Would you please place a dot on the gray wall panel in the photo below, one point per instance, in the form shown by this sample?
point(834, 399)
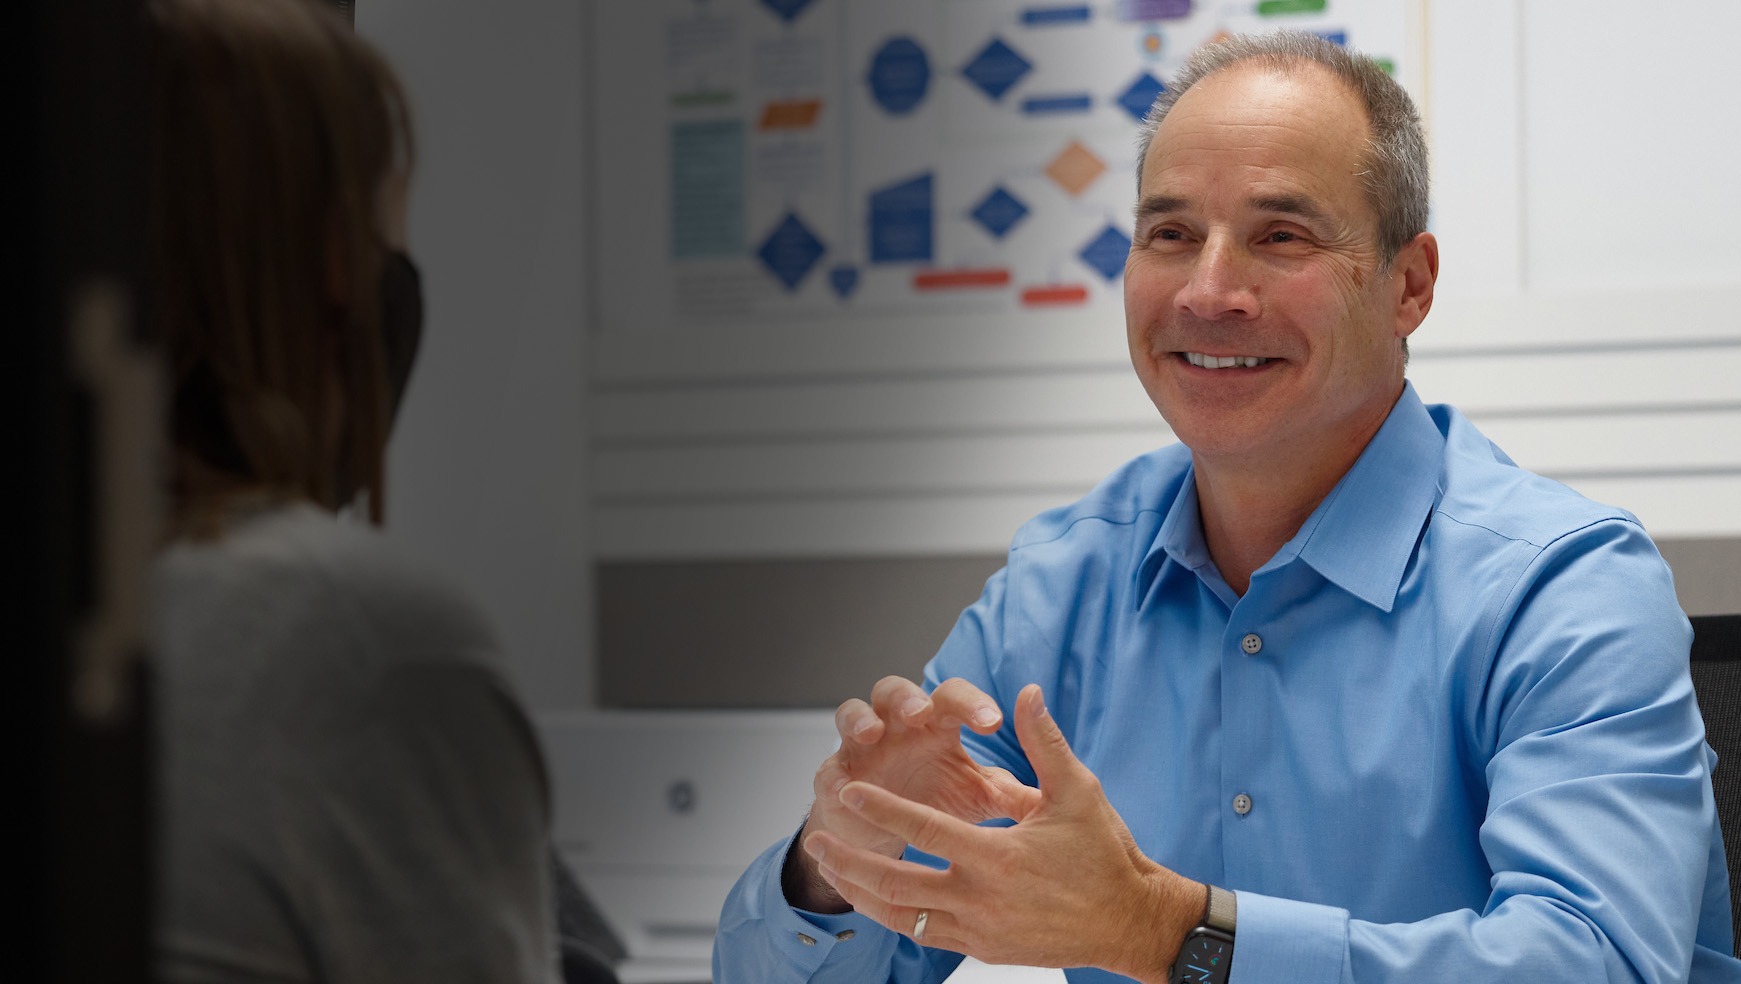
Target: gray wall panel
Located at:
point(1707, 573)
point(774, 633)
point(811, 633)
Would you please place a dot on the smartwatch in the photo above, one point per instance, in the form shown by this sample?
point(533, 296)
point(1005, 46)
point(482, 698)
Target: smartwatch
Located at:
point(1207, 955)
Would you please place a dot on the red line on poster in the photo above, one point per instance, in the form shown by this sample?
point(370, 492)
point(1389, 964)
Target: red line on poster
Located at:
point(955, 279)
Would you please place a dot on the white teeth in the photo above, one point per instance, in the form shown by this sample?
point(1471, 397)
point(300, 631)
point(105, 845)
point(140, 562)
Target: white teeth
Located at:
point(1224, 361)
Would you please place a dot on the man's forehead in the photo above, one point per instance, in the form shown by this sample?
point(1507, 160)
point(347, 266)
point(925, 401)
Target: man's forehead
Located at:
point(1254, 92)
point(1258, 115)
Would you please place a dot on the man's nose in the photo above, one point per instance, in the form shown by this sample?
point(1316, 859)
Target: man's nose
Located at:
point(1221, 285)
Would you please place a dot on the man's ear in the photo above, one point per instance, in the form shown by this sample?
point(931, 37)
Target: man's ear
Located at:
point(1414, 271)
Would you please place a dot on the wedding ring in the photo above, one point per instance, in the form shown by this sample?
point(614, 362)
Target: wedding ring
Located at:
point(919, 925)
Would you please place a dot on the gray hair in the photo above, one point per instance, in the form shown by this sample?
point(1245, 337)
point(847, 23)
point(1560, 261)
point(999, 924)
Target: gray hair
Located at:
point(1394, 165)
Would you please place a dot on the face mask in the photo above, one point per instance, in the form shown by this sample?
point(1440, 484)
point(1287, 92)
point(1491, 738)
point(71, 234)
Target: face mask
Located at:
point(401, 321)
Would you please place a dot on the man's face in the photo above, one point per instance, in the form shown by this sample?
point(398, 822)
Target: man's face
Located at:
point(1254, 241)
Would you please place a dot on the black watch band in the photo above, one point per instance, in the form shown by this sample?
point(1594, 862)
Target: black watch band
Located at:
point(1207, 954)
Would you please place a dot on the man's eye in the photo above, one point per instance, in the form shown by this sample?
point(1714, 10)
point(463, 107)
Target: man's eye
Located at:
point(1171, 235)
point(1282, 236)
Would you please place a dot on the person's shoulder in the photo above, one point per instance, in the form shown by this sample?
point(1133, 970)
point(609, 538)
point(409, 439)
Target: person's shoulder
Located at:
point(413, 605)
point(1483, 489)
point(1128, 503)
point(341, 569)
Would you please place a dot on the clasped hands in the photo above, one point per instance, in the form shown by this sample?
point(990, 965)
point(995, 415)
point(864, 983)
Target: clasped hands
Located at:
point(1066, 886)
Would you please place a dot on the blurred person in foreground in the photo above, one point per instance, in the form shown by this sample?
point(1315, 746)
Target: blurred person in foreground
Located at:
point(349, 789)
point(1329, 691)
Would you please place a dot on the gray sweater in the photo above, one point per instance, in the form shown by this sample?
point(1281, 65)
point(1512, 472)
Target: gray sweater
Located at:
point(349, 790)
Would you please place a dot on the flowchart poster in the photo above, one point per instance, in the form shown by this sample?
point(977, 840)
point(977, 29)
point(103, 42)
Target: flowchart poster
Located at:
point(761, 159)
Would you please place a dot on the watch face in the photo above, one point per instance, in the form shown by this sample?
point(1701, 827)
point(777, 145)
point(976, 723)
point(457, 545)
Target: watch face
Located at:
point(1204, 959)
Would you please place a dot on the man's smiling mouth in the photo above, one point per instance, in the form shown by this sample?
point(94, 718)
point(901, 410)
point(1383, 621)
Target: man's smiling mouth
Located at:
point(1224, 361)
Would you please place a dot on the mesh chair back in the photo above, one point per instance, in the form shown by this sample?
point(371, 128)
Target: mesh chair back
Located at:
point(1717, 679)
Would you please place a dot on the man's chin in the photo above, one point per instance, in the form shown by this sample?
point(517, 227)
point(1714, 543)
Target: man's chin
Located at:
point(1222, 433)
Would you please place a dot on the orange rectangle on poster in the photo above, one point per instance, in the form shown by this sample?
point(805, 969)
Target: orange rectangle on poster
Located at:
point(795, 115)
point(1055, 294)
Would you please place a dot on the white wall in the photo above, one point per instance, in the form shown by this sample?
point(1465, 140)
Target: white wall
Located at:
point(486, 469)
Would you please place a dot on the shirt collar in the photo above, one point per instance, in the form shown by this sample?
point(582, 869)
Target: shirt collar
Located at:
point(1361, 536)
point(1178, 541)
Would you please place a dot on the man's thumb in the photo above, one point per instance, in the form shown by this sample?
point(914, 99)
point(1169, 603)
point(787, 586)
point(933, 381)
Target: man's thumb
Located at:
point(1055, 765)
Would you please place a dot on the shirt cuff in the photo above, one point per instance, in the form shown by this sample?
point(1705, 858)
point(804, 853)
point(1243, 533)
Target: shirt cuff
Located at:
point(1282, 940)
point(808, 938)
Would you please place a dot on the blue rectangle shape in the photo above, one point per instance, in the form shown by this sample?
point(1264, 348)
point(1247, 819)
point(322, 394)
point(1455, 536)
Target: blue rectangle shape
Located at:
point(1044, 16)
point(901, 220)
point(1075, 103)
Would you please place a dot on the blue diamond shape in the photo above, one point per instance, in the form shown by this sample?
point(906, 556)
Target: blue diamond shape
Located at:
point(996, 68)
point(1137, 99)
point(790, 251)
point(787, 9)
point(999, 211)
point(1106, 253)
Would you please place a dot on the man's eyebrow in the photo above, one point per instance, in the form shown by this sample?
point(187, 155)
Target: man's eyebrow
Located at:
point(1300, 205)
point(1159, 205)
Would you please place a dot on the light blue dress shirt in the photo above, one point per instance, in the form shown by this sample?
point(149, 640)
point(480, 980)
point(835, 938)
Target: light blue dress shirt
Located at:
point(1448, 734)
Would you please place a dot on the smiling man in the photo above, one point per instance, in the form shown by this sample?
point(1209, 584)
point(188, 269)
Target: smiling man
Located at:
point(1329, 691)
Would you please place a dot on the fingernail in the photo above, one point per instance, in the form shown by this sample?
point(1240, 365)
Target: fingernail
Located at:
point(852, 796)
point(913, 707)
point(861, 728)
point(813, 847)
point(986, 717)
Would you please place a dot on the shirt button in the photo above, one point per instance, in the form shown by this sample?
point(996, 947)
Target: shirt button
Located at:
point(806, 940)
point(1242, 804)
point(845, 934)
point(1251, 643)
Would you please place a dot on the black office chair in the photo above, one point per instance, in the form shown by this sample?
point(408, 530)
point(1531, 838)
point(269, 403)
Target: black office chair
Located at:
point(1717, 680)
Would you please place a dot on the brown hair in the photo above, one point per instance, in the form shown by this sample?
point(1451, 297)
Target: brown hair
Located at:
point(276, 131)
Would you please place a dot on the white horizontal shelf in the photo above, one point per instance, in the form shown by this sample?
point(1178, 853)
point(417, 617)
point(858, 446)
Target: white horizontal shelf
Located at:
point(1680, 506)
point(901, 466)
point(864, 346)
point(1111, 396)
point(916, 526)
point(1602, 443)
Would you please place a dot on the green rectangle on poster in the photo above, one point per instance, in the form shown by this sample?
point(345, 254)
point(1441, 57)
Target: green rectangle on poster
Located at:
point(1269, 8)
point(707, 189)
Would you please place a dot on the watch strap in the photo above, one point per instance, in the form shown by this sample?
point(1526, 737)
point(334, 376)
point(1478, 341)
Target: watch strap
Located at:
point(1223, 909)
